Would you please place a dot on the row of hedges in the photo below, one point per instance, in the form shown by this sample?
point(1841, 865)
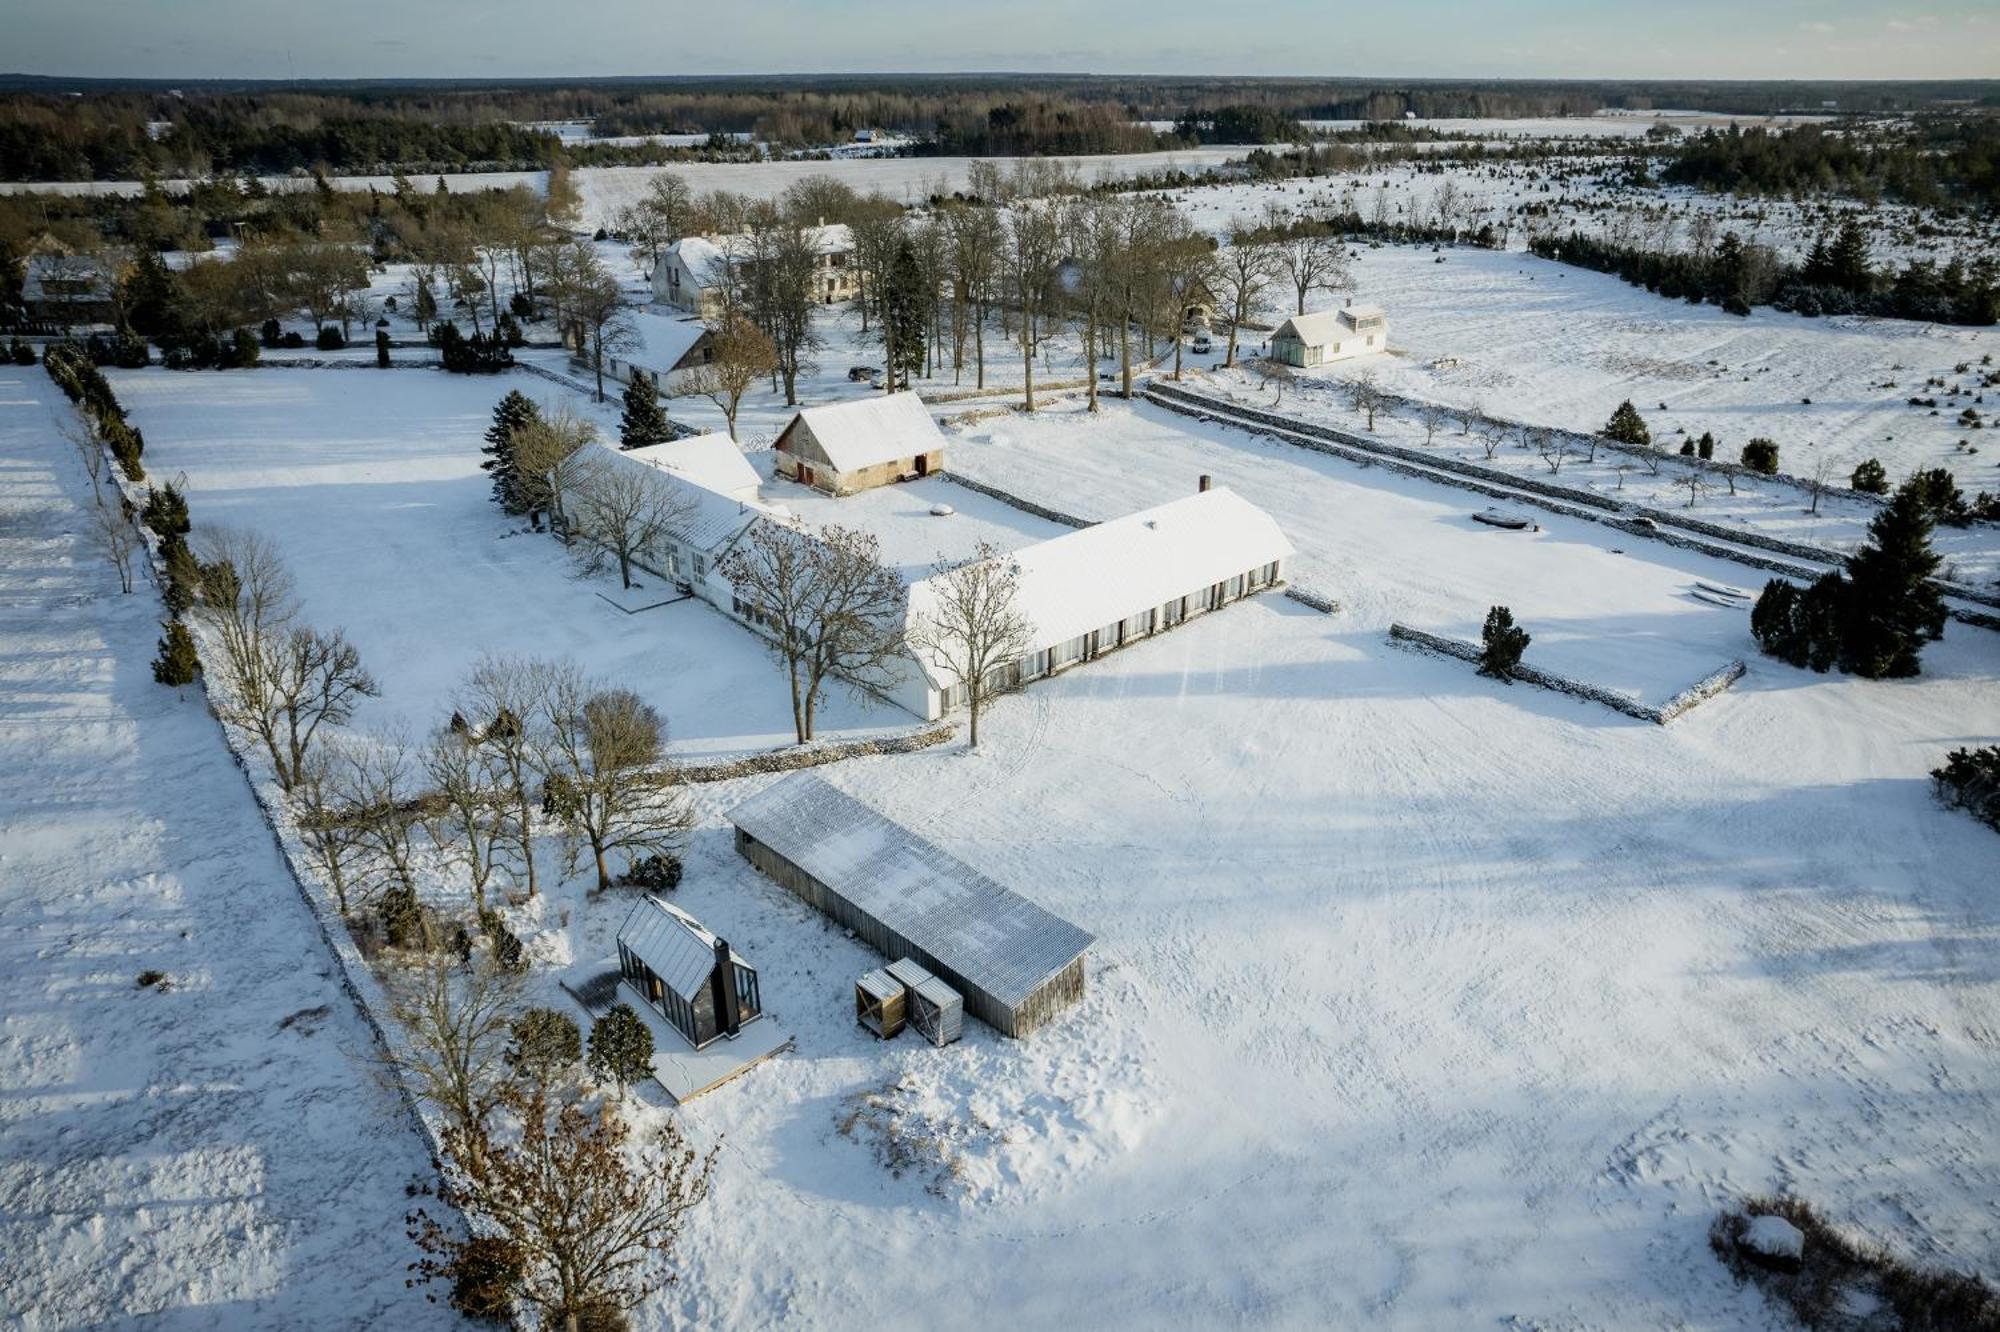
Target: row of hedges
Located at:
point(77, 375)
point(812, 756)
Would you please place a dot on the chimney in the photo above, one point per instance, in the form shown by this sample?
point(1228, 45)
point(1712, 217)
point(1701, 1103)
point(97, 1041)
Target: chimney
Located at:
point(1201, 487)
point(722, 984)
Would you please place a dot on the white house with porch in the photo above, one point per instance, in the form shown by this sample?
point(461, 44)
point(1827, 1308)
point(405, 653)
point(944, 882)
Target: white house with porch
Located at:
point(1331, 335)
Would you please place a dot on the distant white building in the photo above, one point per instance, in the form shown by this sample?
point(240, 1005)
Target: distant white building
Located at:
point(694, 270)
point(849, 446)
point(1096, 590)
point(1331, 335)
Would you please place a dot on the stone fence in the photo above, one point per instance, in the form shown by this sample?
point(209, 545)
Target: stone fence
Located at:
point(1699, 692)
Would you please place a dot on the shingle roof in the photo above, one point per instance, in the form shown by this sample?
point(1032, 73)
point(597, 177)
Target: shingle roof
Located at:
point(985, 933)
point(679, 949)
point(870, 431)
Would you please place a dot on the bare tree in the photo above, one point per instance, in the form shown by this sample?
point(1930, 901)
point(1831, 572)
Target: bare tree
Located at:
point(1822, 477)
point(1365, 395)
point(326, 823)
point(1243, 272)
point(456, 1021)
point(743, 355)
point(1312, 262)
point(1697, 484)
point(1033, 262)
point(828, 605)
point(469, 817)
point(502, 698)
point(1492, 435)
point(550, 453)
point(315, 679)
point(964, 622)
point(245, 600)
point(977, 242)
point(118, 537)
point(609, 778)
point(624, 508)
point(376, 787)
point(588, 1219)
point(1553, 447)
point(89, 452)
point(1431, 415)
point(593, 308)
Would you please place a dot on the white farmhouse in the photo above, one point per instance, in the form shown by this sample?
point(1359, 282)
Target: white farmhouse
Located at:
point(693, 271)
point(1331, 335)
point(1098, 589)
point(849, 446)
point(704, 525)
point(710, 460)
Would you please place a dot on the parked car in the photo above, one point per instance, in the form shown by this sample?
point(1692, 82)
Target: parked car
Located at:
point(864, 374)
point(1202, 344)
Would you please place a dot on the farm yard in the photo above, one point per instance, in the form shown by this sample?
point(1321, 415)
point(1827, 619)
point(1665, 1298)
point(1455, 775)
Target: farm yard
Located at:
point(1412, 994)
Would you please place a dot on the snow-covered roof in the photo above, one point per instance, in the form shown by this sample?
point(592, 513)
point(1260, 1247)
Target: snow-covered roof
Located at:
point(710, 460)
point(1069, 585)
point(971, 926)
point(1315, 329)
point(1354, 314)
point(679, 949)
point(704, 520)
point(868, 432)
point(665, 343)
point(707, 256)
point(64, 270)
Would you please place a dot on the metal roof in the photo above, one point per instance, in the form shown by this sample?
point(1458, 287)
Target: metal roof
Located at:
point(880, 985)
point(679, 949)
point(987, 934)
point(916, 978)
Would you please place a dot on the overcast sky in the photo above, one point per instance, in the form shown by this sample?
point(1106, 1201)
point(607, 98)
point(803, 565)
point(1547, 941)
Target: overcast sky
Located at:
point(1444, 38)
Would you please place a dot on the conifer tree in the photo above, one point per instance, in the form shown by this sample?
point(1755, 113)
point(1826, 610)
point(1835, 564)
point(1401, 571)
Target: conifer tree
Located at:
point(510, 490)
point(644, 421)
point(1502, 643)
point(1892, 609)
point(1870, 478)
point(177, 663)
point(621, 1047)
point(1626, 426)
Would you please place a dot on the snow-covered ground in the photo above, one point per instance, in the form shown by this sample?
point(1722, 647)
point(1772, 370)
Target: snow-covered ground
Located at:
point(1418, 999)
point(1527, 339)
point(216, 1152)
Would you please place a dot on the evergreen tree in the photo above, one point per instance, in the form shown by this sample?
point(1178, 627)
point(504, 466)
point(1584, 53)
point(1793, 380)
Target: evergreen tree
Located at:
point(547, 1045)
point(1761, 456)
point(644, 421)
point(621, 1047)
point(1847, 261)
point(1892, 607)
point(1704, 447)
point(382, 348)
point(1503, 643)
point(177, 663)
point(1870, 478)
point(903, 307)
point(1626, 426)
point(510, 491)
point(166, 511)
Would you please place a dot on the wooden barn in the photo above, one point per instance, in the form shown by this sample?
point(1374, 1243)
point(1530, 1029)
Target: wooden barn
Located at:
point(1015, 964)
point(858, 445)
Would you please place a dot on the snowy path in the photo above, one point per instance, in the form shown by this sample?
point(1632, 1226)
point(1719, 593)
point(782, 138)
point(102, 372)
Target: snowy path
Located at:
point(214, 1153)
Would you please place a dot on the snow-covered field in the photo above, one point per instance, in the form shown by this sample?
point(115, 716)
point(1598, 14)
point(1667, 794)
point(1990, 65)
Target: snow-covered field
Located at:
point(1531, 340)
point(1418, 1000)
point(217, 1151)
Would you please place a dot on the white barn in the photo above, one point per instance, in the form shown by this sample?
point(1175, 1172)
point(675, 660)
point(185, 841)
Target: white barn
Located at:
point(858, 445)
point(691, 274)
point(1096, 590)
point(1331, 335)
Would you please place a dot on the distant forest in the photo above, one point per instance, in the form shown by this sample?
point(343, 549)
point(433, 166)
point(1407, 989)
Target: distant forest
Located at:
point(81, 130)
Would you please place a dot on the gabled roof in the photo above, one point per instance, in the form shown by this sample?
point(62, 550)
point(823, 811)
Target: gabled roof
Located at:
point(679, 949)
point(666, 343)
point(869, 431)
point(707, 256)
point(1084, 580)
point(710, 460)
point(703, 519)
point(987, 934)
point(1354, 314)
point(44, 268)
point(1324, 326)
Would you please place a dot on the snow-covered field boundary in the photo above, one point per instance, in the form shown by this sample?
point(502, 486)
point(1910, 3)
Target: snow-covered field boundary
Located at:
point(1699, 692)
point(815, 755)
point(1565, 500)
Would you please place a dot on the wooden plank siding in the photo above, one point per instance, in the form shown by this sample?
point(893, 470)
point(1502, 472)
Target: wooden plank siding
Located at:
point(1047, 999)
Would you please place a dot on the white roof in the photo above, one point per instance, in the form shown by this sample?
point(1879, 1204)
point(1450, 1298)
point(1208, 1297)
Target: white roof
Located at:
point(706, 256)
point(1316, 329)
point(1085, 580)
point(665, 341)
point(976, 930)
point(870, 431)
point(1354, 314)
point(710, 460)
point(66, 268)
point(704, 520)
point(679, 949)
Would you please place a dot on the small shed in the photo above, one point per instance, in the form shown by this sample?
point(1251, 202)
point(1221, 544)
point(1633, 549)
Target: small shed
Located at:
point(935, 1009)
point(686, 974)
point(1015, 964)
point(880, 1003)
point(1331, 335)
point(850, 446)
